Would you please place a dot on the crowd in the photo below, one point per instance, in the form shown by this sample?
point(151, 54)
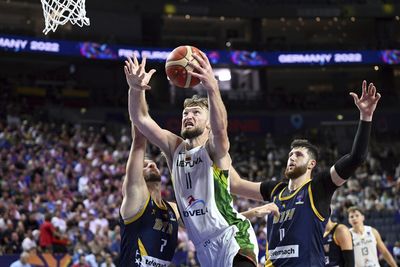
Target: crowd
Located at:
point(60, 186)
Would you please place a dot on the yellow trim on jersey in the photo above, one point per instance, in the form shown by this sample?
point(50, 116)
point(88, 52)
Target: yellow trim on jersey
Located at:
point(294, 193)
point(334, 237)
point(219, 174)
point(319, 216)
point(142, 249)
point(268, 262)
point(163, 206)
point(327, 233)
point(276, 186)
point(215, 170)
point(139, 214)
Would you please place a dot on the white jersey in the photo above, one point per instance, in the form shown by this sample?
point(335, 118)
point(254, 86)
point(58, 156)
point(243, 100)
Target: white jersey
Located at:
point(365, 250)
point(203, 197)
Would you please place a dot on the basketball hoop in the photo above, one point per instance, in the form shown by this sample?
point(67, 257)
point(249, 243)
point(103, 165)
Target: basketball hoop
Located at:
point(59, 12)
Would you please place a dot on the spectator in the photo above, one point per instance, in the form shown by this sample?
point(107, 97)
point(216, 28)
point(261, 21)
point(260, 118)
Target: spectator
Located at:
point(396, 252)
point(47, 232)
point(58, 222)
point(82, 262)
point(13, 246)
point(108, 261)
point(29, 243)
point(23, 261)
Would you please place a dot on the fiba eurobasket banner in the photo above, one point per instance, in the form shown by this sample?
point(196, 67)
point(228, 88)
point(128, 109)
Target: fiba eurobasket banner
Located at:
point(92, 50)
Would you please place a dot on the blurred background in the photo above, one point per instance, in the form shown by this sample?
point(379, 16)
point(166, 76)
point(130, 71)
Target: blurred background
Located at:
point(285, 70)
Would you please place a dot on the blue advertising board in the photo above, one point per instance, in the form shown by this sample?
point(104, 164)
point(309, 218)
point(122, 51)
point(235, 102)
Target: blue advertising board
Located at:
point(92, 50)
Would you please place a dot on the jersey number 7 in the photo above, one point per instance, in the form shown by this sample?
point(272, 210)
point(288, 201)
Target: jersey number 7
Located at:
point(164, 243)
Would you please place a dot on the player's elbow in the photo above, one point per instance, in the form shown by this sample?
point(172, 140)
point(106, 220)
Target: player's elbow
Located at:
point(225, 146)
point(137, 119)
point(220, 132)
point(359, 159)
point(347, 165)
point(221, 139)
point(234, 183)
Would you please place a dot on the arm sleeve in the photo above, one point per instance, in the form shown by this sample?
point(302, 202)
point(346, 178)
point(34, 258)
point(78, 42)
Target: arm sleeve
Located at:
point(348, 256)
point(346, 165)
point(268, 188)
point(323, 188)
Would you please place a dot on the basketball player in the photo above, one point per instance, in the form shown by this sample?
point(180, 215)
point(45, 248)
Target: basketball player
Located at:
point(200, 165)
point(338, 245)
point(366, 240)
point(295, 238)
point(149, 225)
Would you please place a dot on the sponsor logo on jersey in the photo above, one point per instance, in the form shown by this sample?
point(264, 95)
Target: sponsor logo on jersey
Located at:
point(171, 216)
point(299, 198)
point(362, 242)
point(148, 261)
point(196, 207)
point(284, 216)
point(163, 226)
point(184, 163)
point(284, 252)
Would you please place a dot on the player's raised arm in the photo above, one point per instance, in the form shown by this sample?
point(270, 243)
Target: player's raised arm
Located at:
point(134, 189)
point(346, 166)
point(219, 142)
point(244, 188)
point(345, 242)
point(383, 249)
point(138, 81)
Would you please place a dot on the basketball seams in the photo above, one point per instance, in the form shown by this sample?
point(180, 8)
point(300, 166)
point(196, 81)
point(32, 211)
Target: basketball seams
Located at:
point(180, 62)
point(177, 66)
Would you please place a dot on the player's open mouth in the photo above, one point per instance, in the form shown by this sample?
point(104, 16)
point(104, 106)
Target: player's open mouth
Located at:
point(189, 124)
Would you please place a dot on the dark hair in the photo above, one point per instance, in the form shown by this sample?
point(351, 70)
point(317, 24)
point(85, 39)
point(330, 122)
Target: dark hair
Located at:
point(312, 150)
point(196, 101)
point(355, 208)
point(48, 216)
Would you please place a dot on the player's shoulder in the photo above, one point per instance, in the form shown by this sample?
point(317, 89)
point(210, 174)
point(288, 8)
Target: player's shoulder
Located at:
point(321, 174)
point(372, 229)
point(177, 141)
point(341, 228)
point(172, 206)
point(278, 186)
point(270, 188)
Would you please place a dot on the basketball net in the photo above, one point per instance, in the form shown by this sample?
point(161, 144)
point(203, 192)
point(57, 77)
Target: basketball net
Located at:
point(59, 12)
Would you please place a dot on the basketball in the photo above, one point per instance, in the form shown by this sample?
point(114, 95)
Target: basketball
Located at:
point(177, 65)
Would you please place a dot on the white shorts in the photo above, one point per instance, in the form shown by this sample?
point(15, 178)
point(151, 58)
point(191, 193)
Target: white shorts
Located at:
point(220, 250)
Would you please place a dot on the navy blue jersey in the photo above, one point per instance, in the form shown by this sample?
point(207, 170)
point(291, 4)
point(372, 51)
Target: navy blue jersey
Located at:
point(333, 252)
point(150, 237)
point(295, 237)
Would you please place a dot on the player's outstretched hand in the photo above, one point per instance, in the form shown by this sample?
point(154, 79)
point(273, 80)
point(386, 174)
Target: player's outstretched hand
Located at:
point(267, 209)
point(367, 102)
point(204, 72)
point(136, 75)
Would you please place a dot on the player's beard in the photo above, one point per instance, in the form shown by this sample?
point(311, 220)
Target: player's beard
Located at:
point(296, 172)
point(191, 133)
point(152, 177)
